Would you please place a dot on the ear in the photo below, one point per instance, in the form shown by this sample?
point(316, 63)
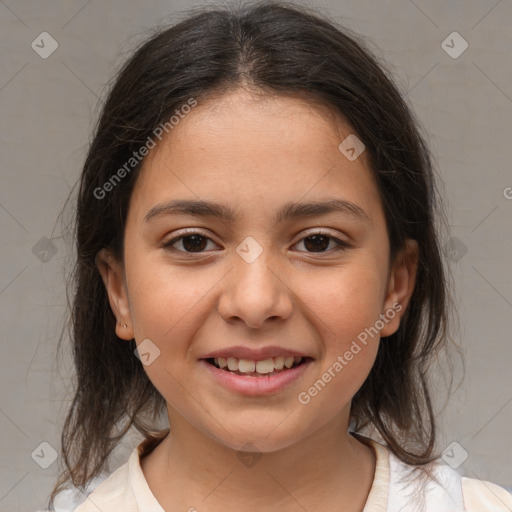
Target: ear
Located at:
point(401, 282)
point(111, 271)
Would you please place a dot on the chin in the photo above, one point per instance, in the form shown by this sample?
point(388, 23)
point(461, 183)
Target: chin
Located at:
point(260, 440)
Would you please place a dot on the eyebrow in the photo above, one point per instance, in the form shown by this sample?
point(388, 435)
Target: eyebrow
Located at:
point(288, 211)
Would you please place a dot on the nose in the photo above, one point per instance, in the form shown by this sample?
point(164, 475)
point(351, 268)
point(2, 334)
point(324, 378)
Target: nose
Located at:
point(255, 292)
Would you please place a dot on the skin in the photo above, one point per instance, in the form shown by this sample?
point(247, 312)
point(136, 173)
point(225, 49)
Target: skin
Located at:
point(254, 154)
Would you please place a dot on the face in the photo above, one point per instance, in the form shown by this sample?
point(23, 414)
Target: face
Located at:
point(310, 284)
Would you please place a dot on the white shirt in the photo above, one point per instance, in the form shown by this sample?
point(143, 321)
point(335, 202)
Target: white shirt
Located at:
point(394, 488)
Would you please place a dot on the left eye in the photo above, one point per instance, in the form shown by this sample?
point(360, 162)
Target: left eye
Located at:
point(195, 242)
point(320, 241)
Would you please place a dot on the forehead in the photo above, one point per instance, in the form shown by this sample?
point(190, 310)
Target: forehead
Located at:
point(255, 153)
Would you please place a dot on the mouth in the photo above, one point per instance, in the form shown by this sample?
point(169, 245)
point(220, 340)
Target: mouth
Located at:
point(263, 368)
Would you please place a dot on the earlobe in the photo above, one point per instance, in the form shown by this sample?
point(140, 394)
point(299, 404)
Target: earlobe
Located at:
point(111, 271)
point(402, 281)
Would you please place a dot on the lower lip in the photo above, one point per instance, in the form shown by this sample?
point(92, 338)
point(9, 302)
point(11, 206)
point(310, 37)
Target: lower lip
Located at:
point(254, 386)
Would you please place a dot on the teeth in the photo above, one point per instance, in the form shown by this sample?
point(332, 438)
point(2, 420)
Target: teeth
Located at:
point(246, 366)
point(262, 367)
point(278, 362)
point(288, 361)
point(232, 364)
point(266, 366)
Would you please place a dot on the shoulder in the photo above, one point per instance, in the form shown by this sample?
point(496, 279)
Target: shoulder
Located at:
point(69, 499)
point(481, 495)
point(103, 488)
point(443, 490)
point(113, 490)
point(434, 487)
point(125, 489)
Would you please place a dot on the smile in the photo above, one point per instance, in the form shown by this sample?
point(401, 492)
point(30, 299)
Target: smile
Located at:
point(251, 382)
point(252, 368)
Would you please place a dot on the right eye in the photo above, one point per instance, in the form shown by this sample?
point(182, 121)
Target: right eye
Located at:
point(193, 242)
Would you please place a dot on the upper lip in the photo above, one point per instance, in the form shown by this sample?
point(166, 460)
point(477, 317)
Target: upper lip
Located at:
point(253, 354)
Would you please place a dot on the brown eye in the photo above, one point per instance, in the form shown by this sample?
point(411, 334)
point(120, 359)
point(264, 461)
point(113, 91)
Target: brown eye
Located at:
point(319, 242)
point(193, 242)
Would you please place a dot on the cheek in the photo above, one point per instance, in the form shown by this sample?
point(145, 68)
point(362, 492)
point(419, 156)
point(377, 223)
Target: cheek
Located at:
point(164, 299)
point(345, 306)
point(167, 305)
point(346, 300)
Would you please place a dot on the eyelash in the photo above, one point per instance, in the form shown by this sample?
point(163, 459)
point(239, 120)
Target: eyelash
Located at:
point(341, 245)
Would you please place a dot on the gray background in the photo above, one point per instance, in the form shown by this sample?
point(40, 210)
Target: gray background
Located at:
point(48, 110)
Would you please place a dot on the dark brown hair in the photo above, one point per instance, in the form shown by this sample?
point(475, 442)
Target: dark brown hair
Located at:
point(280, 49)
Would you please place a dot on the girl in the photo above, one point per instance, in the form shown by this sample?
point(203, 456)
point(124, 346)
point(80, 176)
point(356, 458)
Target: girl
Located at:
point(258, 259)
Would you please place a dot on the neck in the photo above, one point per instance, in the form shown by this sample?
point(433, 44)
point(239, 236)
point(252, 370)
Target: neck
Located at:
point(194, 471)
